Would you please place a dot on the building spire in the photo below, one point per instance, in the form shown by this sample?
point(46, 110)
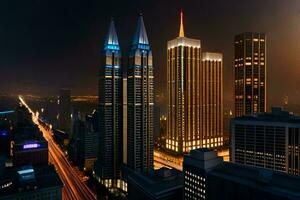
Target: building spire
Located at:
point(140, 36)
point(181, 31)
point(111, 41)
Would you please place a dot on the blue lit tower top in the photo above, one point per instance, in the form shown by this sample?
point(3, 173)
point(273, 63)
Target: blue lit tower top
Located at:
point(140, 40)
point(111, 41)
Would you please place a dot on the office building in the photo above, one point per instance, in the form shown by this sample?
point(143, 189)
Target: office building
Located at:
point(110, 155)
point(195, 95)
point(268, 140)
point(196, 165)
point(207, 177)
point(140, 102)
point(250, 68)
point(211, 101)
point(29, 182)
point(183, 75)
point(162, 184)
point(64, 110)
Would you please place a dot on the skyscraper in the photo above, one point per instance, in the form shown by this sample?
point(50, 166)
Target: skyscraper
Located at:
point(140, 102)
point(211, 100)
point(250, 73)
point(64, 120)
point(183, 75)
point(110, 158)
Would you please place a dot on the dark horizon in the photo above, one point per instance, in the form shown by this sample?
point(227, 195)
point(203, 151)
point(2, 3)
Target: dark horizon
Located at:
point(47, 45)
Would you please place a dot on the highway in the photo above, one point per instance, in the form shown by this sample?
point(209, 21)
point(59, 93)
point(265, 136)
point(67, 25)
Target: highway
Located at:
point(74, 186)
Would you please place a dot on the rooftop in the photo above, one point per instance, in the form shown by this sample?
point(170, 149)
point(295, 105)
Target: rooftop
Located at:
point(159, 181)
point(276, 115)
point(260, 178)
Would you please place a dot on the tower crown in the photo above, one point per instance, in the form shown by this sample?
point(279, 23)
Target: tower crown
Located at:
point(111, 41)
point(140, 38)
point(181, 31)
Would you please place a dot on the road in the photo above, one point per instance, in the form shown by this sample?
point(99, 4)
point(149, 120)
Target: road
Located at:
point(74, 187)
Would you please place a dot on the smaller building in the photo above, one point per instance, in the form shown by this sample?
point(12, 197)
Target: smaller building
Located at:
point(30, 151)
point(207, 177)
point(83, 146)
point(30, 182)
point(64, 109)
point(196, 165)
point(161, 184)
point(268, 140)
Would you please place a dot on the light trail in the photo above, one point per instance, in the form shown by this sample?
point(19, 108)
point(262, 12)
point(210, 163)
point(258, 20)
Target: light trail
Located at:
point(74, 187)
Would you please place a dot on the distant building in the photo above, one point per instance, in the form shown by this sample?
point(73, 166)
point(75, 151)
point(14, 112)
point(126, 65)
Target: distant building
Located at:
point(250, 66)
point(30, 150)
point(6, 128)
point(64, 107)
point(140, 102)
point(183, 75)
point(212, 179)
point(162, 184)
point(28, 145)
point(30, 182)
point(83, 148)
point(269, 140)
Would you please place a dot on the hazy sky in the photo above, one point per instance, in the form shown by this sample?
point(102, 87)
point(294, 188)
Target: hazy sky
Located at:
point(48, 44)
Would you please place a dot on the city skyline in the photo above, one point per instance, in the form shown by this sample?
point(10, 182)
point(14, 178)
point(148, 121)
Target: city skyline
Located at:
point(175, 116)
point(83, 36)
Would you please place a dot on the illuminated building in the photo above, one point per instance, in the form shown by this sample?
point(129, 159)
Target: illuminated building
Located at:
point(206, 176)
point(211, 100)
point(250, 66)
point(268, 140)
point(195, 95)
point(140, 102)
point(183, 75)
point(28, 146)
point(110, 157)
point(27, 182)
point(64, 106)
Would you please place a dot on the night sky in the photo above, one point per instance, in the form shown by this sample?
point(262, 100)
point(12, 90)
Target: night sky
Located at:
point(49, 44)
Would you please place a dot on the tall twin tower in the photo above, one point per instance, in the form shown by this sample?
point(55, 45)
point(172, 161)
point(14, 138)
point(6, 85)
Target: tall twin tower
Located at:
point(137, 128)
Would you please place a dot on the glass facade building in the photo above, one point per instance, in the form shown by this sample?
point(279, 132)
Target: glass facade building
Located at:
point(250, 73)
point(107, 167)
point(140, 102)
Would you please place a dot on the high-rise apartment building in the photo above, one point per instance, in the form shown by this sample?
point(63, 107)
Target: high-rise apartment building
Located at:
point(211, 100)
point(110, 157)
point(140, 102)
point(183, 75)
point(269, 140)
point(250, 66)
point(64, 106)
